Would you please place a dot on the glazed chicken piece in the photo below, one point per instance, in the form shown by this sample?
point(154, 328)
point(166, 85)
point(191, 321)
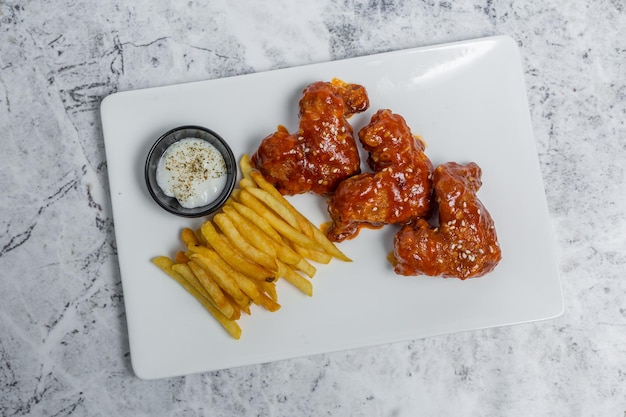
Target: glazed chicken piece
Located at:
point(399, 190)
point(323, 152)
point(465, 243)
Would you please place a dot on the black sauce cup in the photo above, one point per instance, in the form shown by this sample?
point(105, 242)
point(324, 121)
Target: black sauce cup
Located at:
point(171, 204)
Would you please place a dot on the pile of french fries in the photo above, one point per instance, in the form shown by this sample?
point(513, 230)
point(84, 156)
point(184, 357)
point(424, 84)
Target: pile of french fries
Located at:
point(236, 259)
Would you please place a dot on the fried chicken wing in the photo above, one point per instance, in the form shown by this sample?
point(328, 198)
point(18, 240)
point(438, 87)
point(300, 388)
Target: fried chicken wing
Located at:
point(464, 244)
point(399, 190)
point(323, 152)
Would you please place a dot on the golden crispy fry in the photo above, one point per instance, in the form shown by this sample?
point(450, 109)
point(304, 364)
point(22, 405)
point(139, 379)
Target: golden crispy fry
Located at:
point(298, 280)
point(232, 256)
point(201, 240)
point(263, 184)
point(268, 303)
point(164, 263)
point(230, 326)
point(290, 257)
point(181, 258)
point(234, 196)
point(223, 279)
point(253, 234)
point(280, 225)
point(240, 309)
point(188, 237)
point(212, 289)
point(285, 253)
point(275, 204)
point(236, 307)
point(306, 267)
point(314, 255)
point(217, 263)
point(306, 226)
point(245, 165)
point(236, 258)
point(185, 272)
point(248, 267)
point(257, 219)
point(261, 241)
point(328, 246)
point(268, 288)
point(239, 242)
point(246, 183)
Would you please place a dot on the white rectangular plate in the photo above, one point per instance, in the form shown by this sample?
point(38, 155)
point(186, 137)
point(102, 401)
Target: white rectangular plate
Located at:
point(468, 102)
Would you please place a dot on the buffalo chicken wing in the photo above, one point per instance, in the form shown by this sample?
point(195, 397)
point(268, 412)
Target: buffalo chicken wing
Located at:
point(398, 191)
point(464, 244)
point(323, 151)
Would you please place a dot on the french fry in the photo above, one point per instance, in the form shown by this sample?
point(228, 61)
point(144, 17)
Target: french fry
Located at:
point(261, 241)
point(286, 254)
point(254, 235)
point(306, 267)
point(257, 219)
point(213, 262)
point(212, 289)
point(247, 183)
point(234, 196)
point(239, 242)
point(165, 264)
point(269, 304)
point(199, 237)
point(236, 258)
point(232, 256)
point(280, 225)
point(275, 204)
point(185, 272)
point(314, 255)
point(181, 258)
point(230, 326)
point(240, 309)
point(245, 165)
point(268, 288)
point(222, 278)
point(188, 237)
point(328, 246)
point(290, 257)
point(298, 281)
point(305, 224)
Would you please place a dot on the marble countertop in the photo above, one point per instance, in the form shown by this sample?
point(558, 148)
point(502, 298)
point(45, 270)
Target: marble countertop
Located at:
point(63, 338)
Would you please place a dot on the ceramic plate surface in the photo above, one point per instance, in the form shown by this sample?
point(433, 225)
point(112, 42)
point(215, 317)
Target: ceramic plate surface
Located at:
point(468, 102)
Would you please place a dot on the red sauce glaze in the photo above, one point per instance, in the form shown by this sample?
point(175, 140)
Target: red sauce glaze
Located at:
point(323, 152)
point(400, 189)
point(464, 245)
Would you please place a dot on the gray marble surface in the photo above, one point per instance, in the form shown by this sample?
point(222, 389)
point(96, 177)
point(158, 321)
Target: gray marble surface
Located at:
point(63, 338)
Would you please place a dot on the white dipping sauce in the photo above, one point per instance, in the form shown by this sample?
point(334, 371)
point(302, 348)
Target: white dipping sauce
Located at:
point(193, 171)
